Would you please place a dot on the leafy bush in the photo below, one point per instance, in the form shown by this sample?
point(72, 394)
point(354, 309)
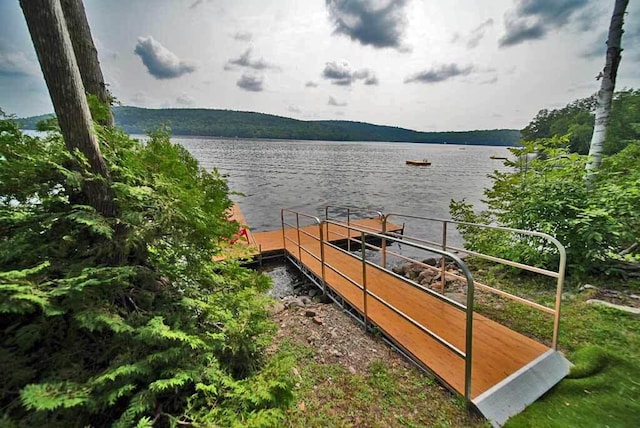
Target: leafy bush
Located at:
point(126, 320)
point(545, 191)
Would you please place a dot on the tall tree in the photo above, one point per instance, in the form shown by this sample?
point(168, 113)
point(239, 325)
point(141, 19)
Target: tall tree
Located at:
point(607, 86)
point(52, 44)
point(86, 55)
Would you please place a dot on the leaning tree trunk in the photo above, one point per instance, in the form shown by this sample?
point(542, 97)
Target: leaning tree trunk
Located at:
point(50, 38)
point(86, 54)
point(605, 94)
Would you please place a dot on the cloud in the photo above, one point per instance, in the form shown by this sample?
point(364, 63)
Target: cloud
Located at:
point(374, 23)
point(311, 84)
point(251, 82)
point(333, 102)
point(294, 109)
point(16, 64)
point(185, 100)
point(161, 63)
point(439, 74)
point(478, 33)
point(243, 36)
point(533, 19)
point(246, 61)
point(340, 73)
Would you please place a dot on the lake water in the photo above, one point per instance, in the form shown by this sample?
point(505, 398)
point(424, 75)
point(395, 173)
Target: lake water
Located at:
point(308, 175)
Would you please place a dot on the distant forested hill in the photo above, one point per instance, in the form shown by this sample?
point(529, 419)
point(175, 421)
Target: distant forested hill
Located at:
point(228, 123)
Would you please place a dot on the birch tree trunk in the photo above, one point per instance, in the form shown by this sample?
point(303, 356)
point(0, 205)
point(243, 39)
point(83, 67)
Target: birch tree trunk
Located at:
point(53, 47)
point(607, 86)
point(86, 54)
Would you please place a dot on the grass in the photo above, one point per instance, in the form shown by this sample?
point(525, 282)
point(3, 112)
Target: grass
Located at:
point(328, 395)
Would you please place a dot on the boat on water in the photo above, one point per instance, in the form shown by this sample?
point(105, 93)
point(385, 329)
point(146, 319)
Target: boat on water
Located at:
point(423, 162)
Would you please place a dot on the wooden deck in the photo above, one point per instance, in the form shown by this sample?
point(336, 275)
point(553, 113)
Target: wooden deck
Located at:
point(272, 241)
point(498, 352)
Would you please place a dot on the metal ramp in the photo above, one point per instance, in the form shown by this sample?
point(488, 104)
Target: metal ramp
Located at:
point(499, 371)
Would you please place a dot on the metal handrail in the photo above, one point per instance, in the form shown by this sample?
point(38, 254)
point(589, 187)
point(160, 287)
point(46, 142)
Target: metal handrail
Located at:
point(559, 274)
point(349, 209)
point(467, 353)
point(320, 237)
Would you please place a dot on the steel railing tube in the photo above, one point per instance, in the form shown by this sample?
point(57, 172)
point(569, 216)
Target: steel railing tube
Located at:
point(384, 242)
point(322, 261)
point(364, 278)
point(299, 241)
point(443, 272)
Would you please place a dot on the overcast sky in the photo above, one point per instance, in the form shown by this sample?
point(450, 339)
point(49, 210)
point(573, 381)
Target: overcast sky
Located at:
point(429, 65)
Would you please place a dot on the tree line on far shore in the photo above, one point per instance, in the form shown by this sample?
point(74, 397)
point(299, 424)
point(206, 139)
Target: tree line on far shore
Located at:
point(240, 124)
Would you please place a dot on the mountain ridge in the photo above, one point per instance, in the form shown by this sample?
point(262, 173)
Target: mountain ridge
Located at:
point(241, 124)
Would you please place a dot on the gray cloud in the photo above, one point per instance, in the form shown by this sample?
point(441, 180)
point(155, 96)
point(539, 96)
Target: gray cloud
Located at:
point(340, 73)
point(369, 23)
point(16, 64)
point(439, 74)
point(533, 19)
point(630, 41)
point(333, 102)
point(243, 36)
point(251, 82)
point(246, 61)
point(185, 100)
point(311, 84)
point(478, 33)
point(161, 63)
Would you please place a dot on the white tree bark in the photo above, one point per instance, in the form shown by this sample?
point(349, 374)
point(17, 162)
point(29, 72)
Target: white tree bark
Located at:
point(607, 86)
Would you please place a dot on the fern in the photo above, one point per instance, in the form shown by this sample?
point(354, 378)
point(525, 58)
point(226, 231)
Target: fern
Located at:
point(50, 396)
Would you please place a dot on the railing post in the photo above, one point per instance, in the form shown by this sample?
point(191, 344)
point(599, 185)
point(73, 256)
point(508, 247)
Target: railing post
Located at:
point(363, 249)
point(322, 262)
point(468, 360)
point(443, 269)
point(384, 242)
point(348, 230)
point(299, 243)
point(556, 319)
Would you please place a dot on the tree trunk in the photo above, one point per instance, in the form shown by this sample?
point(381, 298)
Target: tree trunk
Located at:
point(86, 54)
point(607, 86)
point(51, 40)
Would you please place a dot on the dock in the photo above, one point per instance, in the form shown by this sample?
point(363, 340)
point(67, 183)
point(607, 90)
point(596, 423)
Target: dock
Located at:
point(498, 370)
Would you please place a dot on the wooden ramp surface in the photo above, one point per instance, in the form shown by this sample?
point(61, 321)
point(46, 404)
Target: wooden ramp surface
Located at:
point(498, 352)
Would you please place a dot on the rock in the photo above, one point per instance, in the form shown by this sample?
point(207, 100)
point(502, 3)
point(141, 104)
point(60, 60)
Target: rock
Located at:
point(634, 296)
point(324, 298)
point(587, 287)
point(627, 309)
point(425, 275)
point(352, 370)
point(276, 308)
point(318, 320)
point(313, 292)
point(309, 313)
point(294, 302)
point(432, 261)
point(398, 270)
point(305, 300)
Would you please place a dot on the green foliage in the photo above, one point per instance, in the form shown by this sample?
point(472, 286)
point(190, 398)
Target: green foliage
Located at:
point(546, 192)
point(126, 321)
point(576, 120)
point(234, 124)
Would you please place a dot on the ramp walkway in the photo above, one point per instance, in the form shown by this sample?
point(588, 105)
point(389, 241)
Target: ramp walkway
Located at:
point(498, 370)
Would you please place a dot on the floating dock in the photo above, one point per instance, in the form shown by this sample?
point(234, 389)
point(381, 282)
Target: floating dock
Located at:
point(498, 370)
